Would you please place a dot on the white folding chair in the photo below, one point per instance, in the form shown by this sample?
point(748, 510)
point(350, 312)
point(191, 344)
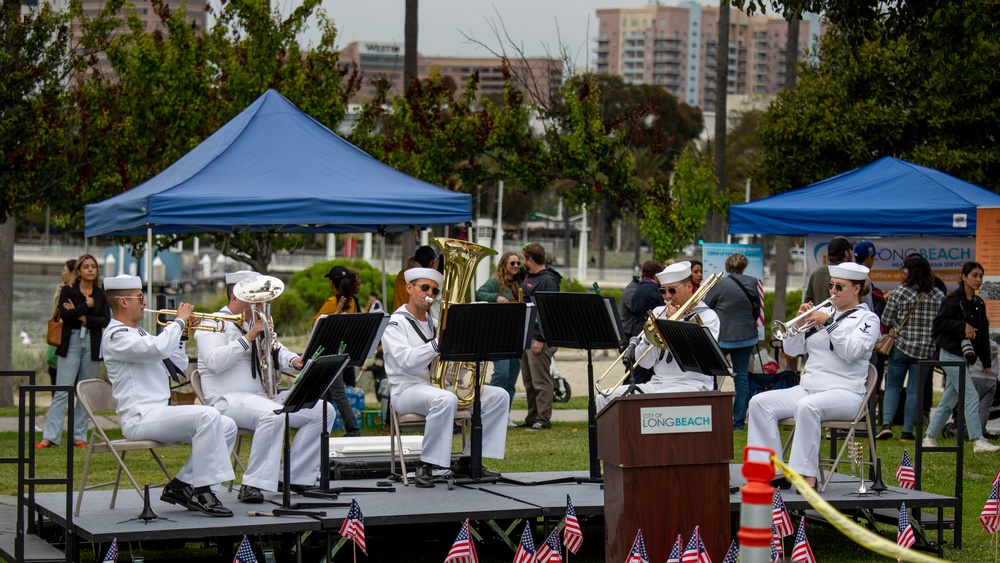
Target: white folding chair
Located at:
point(95, 395)
point(861, 419)
point(195, 380)
point(463, 417)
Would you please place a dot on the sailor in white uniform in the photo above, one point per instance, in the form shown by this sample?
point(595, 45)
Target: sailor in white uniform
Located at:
point(668, 377)
point(139, 382)
point(839, 345)
point(231, 385)
point(409, 346)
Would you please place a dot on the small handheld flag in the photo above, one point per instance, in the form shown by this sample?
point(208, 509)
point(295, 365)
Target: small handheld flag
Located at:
point(782, 520)
point(802, 552)
point(638, 552)
point(112, 554)
point(989, 517)
point(526, 549)
point(572, 535)
point(244, 554)
point(549, 552)
point(904, 472)
point(354, 526)
point(463, 550)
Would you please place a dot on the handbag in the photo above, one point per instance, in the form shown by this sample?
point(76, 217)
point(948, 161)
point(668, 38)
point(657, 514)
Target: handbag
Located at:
point(887, 341)
point(54, 335)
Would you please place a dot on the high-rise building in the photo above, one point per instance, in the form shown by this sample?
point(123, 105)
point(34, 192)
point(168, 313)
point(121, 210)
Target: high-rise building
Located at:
point(675, 47)
point(539, 78)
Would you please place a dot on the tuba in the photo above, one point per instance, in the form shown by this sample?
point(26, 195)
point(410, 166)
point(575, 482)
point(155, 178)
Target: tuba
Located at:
point(460, 261)
point(259, 292)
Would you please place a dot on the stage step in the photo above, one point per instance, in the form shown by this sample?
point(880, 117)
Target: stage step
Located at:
point(35, 548)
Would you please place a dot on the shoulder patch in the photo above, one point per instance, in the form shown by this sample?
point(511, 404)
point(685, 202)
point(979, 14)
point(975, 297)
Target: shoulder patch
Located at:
point(393, 323)
point(113, 334)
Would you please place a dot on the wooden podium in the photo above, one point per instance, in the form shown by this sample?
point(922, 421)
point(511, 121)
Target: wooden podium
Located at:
point(665, 471)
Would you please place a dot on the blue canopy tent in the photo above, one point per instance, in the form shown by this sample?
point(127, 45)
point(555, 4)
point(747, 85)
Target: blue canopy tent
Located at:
point(885, 198)
point(273, 168)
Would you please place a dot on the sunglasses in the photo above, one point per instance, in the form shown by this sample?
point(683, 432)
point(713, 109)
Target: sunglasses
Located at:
point(670, 290)
point(143, 297)
point(427, 287)
point(839, 286)
point(513, 263)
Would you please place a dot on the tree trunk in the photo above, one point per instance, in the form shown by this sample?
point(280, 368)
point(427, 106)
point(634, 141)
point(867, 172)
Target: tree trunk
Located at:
point(6, 309)
point(717, 230)
point(783, 243)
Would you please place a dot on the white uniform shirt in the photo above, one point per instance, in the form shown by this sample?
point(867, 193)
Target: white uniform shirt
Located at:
point(838, 352)
point(665, 367)
point(134, 358)
point(224, 361)
point(407, 357)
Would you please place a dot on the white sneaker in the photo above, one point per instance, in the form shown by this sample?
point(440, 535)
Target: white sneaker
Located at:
point(511, 423)
point(981, 445)
point(929, 442)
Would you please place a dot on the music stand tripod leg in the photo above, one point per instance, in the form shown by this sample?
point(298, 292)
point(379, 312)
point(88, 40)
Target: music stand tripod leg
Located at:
point(287, 508)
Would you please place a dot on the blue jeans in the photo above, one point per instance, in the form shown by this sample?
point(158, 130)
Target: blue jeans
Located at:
point(740, 358)
point(76, 366)
point(505, 374)
point(900, 366)
point(950, 398)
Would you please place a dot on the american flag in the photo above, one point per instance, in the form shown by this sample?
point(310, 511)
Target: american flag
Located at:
point(696, 552)
point(782, 521)
point(675, 553)
point(989, 516)
point(802, 552)
point(526, 549)
point(904, 472)
point(112, 554)
point(733, 555)
point(548, 552)
point(463, 550)
point(572, 535)
point(904, 533)
point(354, 527)
point(244, 554)
point(638, 553)
point(776, 548)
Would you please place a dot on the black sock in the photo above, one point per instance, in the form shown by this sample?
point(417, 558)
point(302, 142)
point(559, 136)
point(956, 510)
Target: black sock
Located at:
point(176, 483)
point(202, 490)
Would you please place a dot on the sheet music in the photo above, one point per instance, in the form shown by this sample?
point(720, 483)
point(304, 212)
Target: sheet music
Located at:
point(609, 305)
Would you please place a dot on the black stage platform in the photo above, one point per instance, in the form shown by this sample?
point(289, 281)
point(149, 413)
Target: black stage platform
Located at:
point(409, 505)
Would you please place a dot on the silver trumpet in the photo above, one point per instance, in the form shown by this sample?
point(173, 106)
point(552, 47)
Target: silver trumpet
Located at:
point(788, 329)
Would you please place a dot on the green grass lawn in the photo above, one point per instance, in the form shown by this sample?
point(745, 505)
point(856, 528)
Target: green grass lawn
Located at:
point(563, 447)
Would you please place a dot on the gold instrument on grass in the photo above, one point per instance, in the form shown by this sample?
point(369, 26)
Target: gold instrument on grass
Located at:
point(652, 332)
point(196, 318)
point(259, 292)
point(460, 261)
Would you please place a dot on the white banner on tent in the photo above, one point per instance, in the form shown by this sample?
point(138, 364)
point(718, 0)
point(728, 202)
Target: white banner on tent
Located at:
point(946, 255)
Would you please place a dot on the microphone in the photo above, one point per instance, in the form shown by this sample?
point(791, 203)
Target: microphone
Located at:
point(629, 356)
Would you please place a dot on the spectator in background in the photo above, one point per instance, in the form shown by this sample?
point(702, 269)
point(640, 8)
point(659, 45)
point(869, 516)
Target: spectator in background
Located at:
point(697, 273)
point(536, 362)
point(424, 257)
point(734, 298)
point(647, 297)
point(837, 251)
point(986, 387)
point(67, 278)
point(913, 340)
point(504, 287)
point(625, 307)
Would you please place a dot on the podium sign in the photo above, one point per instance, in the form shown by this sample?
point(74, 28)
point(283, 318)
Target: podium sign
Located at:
point(666, 470)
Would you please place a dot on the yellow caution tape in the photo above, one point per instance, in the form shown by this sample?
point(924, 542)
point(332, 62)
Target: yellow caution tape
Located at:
point(861, 536)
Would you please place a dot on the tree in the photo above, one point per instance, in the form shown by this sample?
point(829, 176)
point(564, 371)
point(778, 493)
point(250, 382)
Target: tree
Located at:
point(163, 94)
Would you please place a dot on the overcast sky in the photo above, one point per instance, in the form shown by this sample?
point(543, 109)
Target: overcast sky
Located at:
point(535, 24)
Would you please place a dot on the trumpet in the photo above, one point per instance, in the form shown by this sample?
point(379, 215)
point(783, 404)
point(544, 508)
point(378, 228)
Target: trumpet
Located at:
point(197, 317)
point(652, 332)
point(782, 330)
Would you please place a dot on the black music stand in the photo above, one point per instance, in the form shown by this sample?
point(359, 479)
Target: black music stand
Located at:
point(588, 322)
point(360, 334)
point(310, 387)
point(480, 332)
point(694, 347)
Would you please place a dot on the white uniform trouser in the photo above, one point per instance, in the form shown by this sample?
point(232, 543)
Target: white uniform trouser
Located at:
point(439, 407)
point(210, 434)
point(256, 413)
point(650, 388)
point(809, 410)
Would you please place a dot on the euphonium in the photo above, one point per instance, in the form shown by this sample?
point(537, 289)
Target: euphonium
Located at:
point(259, 292)
point(460, 261)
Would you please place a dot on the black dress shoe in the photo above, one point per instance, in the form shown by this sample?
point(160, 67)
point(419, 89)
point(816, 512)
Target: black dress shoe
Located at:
point(781, 483)
point(208, 503)
point(181, 496)
point(353, 434)
point(295, 488)
point(462, 468)
point(423, 476)
point(250, 495)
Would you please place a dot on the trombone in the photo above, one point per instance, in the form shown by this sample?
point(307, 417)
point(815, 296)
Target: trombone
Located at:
point(782, 330)
point(652, 332)
point(197, 317)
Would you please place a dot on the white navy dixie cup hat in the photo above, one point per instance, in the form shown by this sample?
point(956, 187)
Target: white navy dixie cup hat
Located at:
point(414, 274)
point(674, 273)
point(123, 281)
point(849, 271)
point(236, 277)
